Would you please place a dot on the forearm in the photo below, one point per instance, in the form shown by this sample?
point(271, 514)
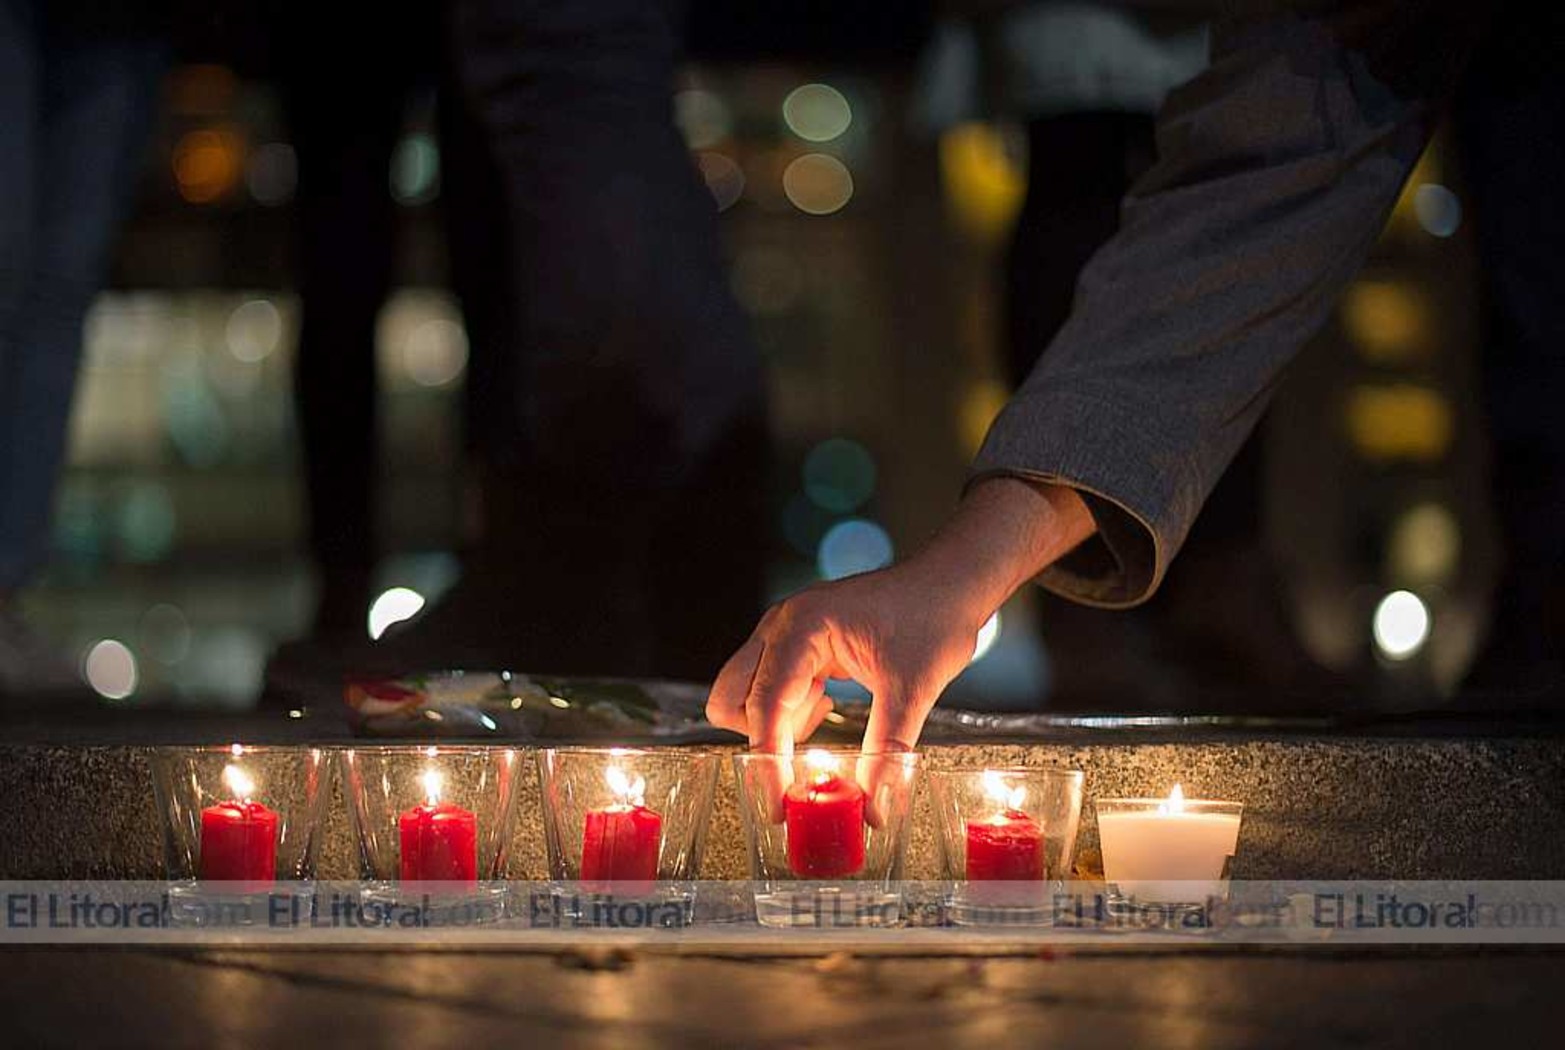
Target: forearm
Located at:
point(1005, 531)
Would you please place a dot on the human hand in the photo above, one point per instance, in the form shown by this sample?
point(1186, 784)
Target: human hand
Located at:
point(903, 632)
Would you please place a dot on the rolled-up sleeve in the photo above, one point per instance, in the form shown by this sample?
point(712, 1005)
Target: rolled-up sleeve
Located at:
point(1277, 168)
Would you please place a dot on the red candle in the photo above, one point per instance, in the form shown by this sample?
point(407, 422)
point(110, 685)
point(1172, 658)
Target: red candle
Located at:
point(239, 842)
point(439, 839)
point(1008, 848)
point(620, 842)
point(1005, 848)
point(824, 818)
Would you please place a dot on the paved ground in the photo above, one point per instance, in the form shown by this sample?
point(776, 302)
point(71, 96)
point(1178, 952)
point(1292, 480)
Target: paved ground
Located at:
point(1168, 1000)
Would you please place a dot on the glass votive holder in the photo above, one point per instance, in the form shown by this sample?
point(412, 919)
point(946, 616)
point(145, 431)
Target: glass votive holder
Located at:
point(826, 831)
point(434, 827)
point(1007, 840)
point(1167, 851)
point(625, 829)
point(241, 828)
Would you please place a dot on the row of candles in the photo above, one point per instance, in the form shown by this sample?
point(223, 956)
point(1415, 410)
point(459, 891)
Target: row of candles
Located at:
point(823, 814)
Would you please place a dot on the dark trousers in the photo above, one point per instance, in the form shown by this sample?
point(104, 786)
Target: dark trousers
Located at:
point(625, 515)
point(74, 111)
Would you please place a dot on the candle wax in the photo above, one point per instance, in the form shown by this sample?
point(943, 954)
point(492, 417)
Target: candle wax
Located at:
point(1143, 852)
point(1008, 848)
point(239, 842)
point(620, 843)
point(824, 817)
point(439, 843)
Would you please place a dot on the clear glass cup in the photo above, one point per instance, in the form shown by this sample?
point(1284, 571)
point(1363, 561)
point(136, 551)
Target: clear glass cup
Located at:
point(826, 830)
point(241, 825)
point(625, 829)
point(434, 825)
point(1167, 850)
point(1007, 840)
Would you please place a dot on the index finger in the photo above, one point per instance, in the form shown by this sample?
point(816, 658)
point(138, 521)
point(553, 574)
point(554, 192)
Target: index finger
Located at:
point(788, 677)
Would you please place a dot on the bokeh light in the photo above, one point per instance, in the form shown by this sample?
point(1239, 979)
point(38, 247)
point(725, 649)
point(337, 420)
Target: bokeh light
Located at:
point(197, 425)
point(415, 169)
point(981, 404)
point(253, 331)
point(1425, 545)
point(817, 112)
point(851, 547)
point(272, 173)
point(392, 607)
point(1388, 320)
point(435, 353)
point(145, 522)
point(165, 633)
point(839, 474)
point(818, 184)
point(110, 668)
point(1401, 625)
point(983, 184)
point(724, 178)
point(988, 634)
point(1400, 421)
point(225, 667)
point(1439, 211)
point(703, 118)
point(207, 164)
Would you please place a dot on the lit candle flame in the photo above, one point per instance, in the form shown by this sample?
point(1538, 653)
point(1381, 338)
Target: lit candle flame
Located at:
point(1175, 802)
point(627, 792)
point(433, 782)
point(238, 782)
point(821, 762)
point(1002, 793)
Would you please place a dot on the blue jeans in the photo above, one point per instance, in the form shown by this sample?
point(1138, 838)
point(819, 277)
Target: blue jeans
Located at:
point(74, 110)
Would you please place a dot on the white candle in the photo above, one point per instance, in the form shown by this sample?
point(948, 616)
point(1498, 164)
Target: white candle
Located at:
point(1167, 850)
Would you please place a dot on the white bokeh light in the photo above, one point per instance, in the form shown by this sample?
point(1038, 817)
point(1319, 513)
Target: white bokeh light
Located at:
point(110, 668)
point(436, 352)
point(817, 112)
point(1401, 624)
point(392, 607)
point(253, 330)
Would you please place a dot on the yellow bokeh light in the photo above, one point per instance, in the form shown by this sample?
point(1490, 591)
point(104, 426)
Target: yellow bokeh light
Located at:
point(980, 405)
point(983, 185)
point(1425, 546)
point(1387, 320)
point(1400, 422)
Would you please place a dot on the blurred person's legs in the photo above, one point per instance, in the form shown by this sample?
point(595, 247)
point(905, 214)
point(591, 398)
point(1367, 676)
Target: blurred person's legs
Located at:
point(1511, 130)
point(626, 533)
point(75, 108)
point(346, 99)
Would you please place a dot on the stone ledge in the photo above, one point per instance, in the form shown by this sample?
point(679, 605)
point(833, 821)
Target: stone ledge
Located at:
point(1317, 807)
